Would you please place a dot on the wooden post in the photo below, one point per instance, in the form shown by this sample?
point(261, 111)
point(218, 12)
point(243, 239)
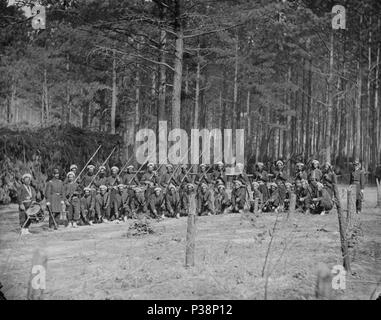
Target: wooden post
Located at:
point(343, 233)
point(292, 204)
point(37, 279)
point(323, 288)
point(256, 205)
point(378, 181)
point(349, 208)
point(191, 232)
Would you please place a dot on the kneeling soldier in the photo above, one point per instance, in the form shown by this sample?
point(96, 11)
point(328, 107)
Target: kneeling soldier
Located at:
point(204, 201)
point(87, 207)
point(185, 197)
point(323, 201)
point(139, 202)
point(156, 203)
point(221, 202)
point(303, 196)
point(102, 205)
point(172, 201)
point(273, 203)
point(122, 204)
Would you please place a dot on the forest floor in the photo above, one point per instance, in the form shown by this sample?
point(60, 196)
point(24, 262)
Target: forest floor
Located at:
point(106, 262)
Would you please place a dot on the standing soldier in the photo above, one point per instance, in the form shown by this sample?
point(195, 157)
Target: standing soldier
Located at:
point(202, 177)
point(26, 195)
point(280, 178)
point(300, 172)
point(112, 184)
point(172, 201)
point(156, 203)
point(72, 201)
point(130, 178)
point(219, 175)
point(101, 179)
point(329, 180)
point(149, 178)
point(221, 202)
point(358, 179)
point(238, 197)
point(102, 205)
point(122, 204)
point(167, 178)
point(86, 181)
point(87, 206)
point(73, 169)
point(261, 176)
point(55, 197)
point(183, 179)
point(315, 174)
point(204, 201)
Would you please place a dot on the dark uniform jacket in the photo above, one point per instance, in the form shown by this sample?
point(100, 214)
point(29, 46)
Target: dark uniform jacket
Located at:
point(202, 177)
point(86, 180)
point(24, 197)
point(156, 202)
point(315, 175)
point(100, 180)
point(172, 201)
point(122, 201)
point(55, 194)
point(300, 175)
point(71, 191)
point(204, 201)
point(219, 176)
point(87, 204)
point(358, 179)
point(130, 179)
point(102, 201)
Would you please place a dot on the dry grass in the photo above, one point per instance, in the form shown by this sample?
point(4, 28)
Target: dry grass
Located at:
point(101, 262)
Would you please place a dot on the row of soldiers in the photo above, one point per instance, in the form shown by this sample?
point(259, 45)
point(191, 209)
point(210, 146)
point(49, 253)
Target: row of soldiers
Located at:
point(97, 197)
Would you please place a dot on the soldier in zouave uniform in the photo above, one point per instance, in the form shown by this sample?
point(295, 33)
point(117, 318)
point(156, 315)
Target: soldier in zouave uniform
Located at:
point(315, 174)
point(238, 196)
point(130, 178)
point(73, 169)
point(71, 194)
point(112, 183)
point(139, 202)
point(256, 195)
point(149, 176)
point(102, 205)
point(329, 180)
point(101, 179)
point(89, 176)
point(183, 179)
point(156, 203)
point(262, 178)
point(185, 199)
point(204, 201)
point(304, 196)
point(26, 195)
point(55, 197)
point(280, 178)
point(242, 176)
point(122, 204)
point(219, 175)
point(288, 186)
point(274, 201)
point(172, 202)
point(168, 177)
point(202, 177)
point(300, 172)
point(221, 201)
point(322, 201)
point(358, 179)
point(88, 206)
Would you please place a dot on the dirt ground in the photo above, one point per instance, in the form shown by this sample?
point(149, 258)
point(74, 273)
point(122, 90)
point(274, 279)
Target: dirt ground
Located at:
point(104, 262)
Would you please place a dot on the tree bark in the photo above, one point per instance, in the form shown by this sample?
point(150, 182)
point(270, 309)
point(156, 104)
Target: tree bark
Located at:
point(114, 93)
point(178, 67)
point(330, 103)
point(197, 91)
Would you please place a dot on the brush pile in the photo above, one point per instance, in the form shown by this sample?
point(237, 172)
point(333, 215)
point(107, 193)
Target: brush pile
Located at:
point(140, 228)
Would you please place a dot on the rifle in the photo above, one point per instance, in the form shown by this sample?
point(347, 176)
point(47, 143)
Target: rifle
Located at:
point(87, 163)
point(103, 164)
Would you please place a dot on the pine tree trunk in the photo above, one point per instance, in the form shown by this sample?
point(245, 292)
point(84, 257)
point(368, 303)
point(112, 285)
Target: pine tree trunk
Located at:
point(330, 105)
point(114, 93)
point(178, 66)
point(163, 78)
point(357, 142)
point(197, 90)
point(235, 90)
point(377, 101)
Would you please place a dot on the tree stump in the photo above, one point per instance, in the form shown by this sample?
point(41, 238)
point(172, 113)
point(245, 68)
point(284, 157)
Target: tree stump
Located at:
point(323, 288)
point(37, 278)
point(256, 206)
point(191, 232)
